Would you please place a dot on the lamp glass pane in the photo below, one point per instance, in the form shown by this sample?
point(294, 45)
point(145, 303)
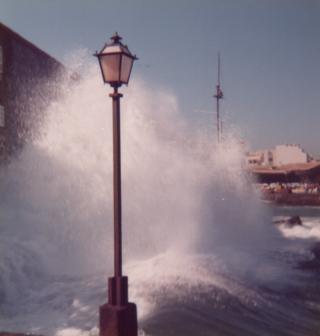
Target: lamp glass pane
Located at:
point(110, 65)
point(111, 49)
point(126, 66)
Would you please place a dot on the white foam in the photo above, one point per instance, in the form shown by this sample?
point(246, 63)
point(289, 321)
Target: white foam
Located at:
point(309, 230)
point(77, 332)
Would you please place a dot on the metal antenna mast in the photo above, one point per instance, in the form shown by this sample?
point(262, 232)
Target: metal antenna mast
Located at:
point(218, 96)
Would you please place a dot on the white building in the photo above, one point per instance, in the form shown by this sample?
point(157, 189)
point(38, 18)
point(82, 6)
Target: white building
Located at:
point(279, 156)
point(289, 154)
point(260, 158)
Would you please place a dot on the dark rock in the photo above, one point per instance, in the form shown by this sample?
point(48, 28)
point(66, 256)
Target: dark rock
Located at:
point(294, 220)
point(291, 222)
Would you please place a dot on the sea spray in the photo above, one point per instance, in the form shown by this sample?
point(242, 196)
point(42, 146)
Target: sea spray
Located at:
point(193, 225)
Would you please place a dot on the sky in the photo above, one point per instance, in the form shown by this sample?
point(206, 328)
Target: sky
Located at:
point(270, 52)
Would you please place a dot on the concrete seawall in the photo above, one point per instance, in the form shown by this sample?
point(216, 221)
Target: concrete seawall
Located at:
point(293, 199)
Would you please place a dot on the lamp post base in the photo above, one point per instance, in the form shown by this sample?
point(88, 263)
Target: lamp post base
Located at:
point(118, 320)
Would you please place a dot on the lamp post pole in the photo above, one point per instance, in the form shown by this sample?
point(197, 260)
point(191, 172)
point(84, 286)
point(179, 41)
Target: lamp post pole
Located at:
point(117, 211)
point(118, 317)
point(118, 285)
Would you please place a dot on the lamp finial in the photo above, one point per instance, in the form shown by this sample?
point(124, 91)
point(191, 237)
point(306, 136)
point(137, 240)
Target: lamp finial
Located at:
point(116, 38)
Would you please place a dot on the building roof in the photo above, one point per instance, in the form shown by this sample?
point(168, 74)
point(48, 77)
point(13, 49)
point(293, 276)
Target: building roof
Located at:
point(267, 170)
point(301, 166)
point(287, 169)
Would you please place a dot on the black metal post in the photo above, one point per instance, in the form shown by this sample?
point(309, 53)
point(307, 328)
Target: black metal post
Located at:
point(117, 206)
point(118, 317)
point(218, 117)
point(218, 96)
point(118, 285)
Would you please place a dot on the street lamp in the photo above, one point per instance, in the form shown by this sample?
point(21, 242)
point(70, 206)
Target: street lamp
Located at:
point(118, 317)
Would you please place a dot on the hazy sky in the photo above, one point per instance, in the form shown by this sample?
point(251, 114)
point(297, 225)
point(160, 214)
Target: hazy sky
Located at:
point(270, 54)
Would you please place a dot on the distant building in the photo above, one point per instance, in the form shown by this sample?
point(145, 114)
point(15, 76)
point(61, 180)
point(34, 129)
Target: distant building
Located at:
point(259, 158)
point(26, 87)
point(279, 156)
point(289, 154)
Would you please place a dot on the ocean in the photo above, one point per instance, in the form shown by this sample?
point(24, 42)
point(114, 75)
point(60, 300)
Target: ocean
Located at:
point(201, 250)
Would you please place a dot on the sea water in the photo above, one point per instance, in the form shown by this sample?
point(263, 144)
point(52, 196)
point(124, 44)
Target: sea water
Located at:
point(201, 251)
